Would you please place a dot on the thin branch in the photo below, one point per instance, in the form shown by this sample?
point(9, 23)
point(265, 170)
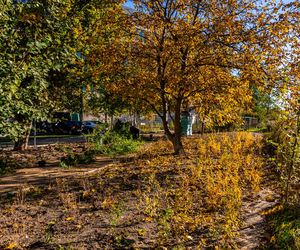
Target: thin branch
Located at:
point(153, 107)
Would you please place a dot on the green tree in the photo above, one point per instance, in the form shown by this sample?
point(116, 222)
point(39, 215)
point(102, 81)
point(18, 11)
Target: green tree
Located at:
point(45, 60)
point(97, 27)
point(34, 41)
point(265, 106)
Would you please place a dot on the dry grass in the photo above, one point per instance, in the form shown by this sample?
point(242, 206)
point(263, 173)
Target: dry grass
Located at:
point(156, 200)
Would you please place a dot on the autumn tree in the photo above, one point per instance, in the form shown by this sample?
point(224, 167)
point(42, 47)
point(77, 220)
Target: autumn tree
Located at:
point(183, 50)
point(98, 26)
point(223, 108)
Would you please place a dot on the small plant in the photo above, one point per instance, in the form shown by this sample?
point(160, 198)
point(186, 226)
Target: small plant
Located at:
point(5, 167)
point(72, 160)
point(117, 211)
point(87, 157)
point(114, 143)
point(122, 242)
point(68, 161)
point(21, 194)
point(285, 224)
point(49, 232)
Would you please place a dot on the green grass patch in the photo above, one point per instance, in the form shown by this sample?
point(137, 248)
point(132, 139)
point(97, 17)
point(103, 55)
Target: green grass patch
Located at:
point(285, 225)
point(114, 144)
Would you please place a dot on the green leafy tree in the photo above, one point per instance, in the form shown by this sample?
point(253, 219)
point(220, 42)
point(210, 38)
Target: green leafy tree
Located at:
point(34, 41)
point(45, 61)
point(97, 27)
point(265, 106)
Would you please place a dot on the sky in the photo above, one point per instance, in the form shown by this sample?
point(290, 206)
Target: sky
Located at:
point(128, 4)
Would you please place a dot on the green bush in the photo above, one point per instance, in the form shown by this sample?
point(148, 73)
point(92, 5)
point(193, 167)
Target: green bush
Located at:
point(122, 128)
point(96, 137)
point(286, 227)
point(283, 144)
point(72, 160)
point(117, 141)
point(5, 168)
point(114, 143)
point(109, 143)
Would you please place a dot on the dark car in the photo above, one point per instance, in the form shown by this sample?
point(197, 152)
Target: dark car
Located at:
point(88, 126)
point(69, 127)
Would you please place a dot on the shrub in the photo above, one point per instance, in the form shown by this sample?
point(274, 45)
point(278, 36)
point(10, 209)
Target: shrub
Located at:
point(284, 146)
point(285, 224)
point(117, 141)
point(122, 128)
point(114, 143)
point(73, 159)
point(5, 167)
point(204, 192)
point(96, 137)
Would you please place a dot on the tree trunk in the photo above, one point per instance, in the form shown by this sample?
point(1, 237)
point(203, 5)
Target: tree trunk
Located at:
point(177, 143)
point(111, 122)
point(175, 137)
point(22, 142)
point(202, 127)
point(178, 146)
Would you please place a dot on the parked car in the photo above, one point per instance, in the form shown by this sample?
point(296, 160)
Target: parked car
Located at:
point(69, 127)
point(88, 126)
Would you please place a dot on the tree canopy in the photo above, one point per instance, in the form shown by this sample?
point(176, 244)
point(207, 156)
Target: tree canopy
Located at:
point(183, 52)
point(43, 61)
point(34, 43)
point(169, 55)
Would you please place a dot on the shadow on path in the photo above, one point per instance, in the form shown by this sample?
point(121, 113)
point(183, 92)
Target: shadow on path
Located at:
point(47, 174)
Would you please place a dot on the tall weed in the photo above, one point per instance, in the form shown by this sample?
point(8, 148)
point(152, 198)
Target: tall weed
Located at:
point(203, 193)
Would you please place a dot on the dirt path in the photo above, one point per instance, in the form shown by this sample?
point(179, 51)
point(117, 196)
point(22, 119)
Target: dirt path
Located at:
point(44, 175)
point(254, 234)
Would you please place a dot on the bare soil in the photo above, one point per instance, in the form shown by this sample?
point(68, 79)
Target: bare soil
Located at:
point(41, 166)
point(97, 206)
point(254, 233)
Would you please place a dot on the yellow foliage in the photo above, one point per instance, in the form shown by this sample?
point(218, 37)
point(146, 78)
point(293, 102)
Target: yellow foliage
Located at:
point(69, 219)
point(209, 186)
point(11, 246)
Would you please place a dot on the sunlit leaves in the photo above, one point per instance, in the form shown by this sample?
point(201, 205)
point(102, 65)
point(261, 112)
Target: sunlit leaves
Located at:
point(185, 53)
